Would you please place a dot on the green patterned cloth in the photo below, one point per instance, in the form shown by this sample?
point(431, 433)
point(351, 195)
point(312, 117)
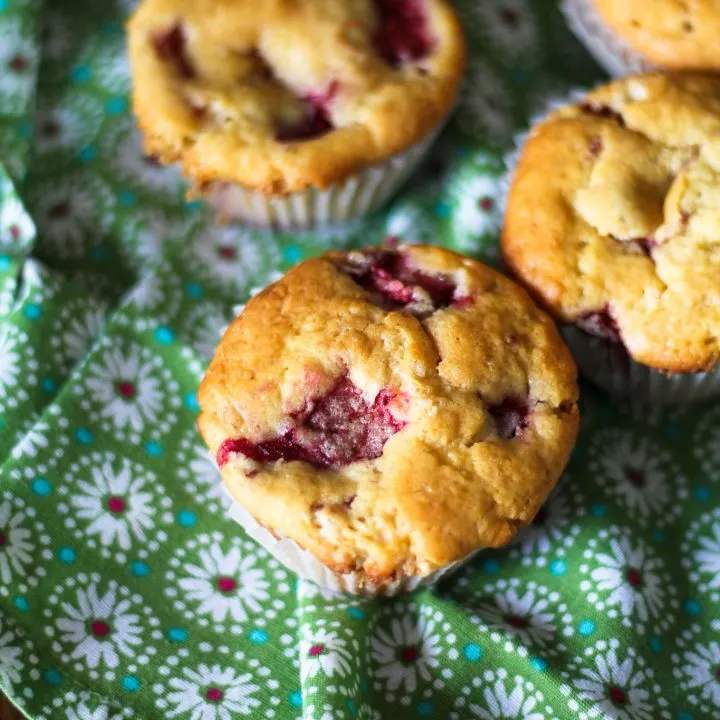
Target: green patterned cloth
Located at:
point(125, 593)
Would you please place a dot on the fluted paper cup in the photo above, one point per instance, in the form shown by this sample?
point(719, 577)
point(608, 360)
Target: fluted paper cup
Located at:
point(608, 366)
point(359, 195)
point(306, 565)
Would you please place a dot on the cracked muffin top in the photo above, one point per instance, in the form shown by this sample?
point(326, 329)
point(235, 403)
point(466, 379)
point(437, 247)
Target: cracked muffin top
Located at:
point(676, 34)
point(391, 410)
point(613, 215)
point(285, 95)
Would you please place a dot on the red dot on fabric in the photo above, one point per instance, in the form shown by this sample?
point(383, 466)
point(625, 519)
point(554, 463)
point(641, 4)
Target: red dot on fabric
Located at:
point(226, 584)
point(214, 695)
point(634, 577)
point(100, 629)
point(18, 63)
point(116, 504)
point(516, 621)
point(126, 389)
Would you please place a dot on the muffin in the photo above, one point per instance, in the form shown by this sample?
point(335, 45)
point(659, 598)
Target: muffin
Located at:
point(384, 414)
point(612, 223)
point(637, 36)
point(304, 114)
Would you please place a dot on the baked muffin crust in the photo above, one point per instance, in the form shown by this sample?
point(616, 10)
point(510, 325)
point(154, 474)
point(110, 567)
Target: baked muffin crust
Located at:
point(391, 411)
point(283, 95)
point(675, 34)
point(613, 216)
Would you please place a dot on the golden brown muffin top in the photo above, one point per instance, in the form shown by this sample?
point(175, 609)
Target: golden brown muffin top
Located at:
point(613, 217)
point(281, 95)
point(675, 34)
point(391, 411)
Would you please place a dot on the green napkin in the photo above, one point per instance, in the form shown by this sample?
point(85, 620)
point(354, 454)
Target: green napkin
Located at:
point(126, 593)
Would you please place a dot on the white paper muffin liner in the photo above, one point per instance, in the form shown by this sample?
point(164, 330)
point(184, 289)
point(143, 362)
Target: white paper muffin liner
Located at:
point(608, 49)
point(608, 366)
point(360, 194)
point(306, 565)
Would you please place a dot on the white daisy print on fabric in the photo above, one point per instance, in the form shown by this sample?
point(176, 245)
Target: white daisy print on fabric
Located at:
point(83, 705)
point(701, 553)
point(365, 712)
point(33, 442)
point(485, 108)
point(98, 625)
point(509, 25)
point(123, 151)
point(628, 579)
point(86, 711)
point(76, 329)
point(553, 528)
point(326, 649)
point(698, 669)
point(115, 503)
point(17, 229)
point(224, 582)
point(706, 443)
point(23, 545)
point(477, 208)
point(204, 327)
point(145, 240)
point(230, 256)
point(18, 66)
point(409, 223)
point(615, 684)
point(199, 473)
point(503, 698)
point(406, 651)
point(11, 343)
point(16, 545)
point(156, 295)
point(70, 123)
point(72, 212)
point(530, 613)
point(37, 284)
point(11, 655)
point(13, 152)
point(209, 692)
point(152, 232)
point(638, 473)
point(129, 389)
point(108, 61)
